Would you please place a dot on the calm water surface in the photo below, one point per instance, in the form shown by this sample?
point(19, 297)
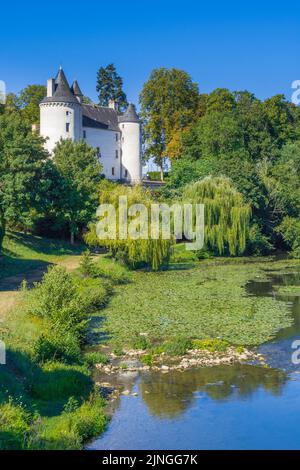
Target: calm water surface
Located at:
point(227, 407)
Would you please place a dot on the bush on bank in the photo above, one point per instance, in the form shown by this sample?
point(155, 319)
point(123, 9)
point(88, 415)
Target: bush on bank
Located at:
point(46, 391)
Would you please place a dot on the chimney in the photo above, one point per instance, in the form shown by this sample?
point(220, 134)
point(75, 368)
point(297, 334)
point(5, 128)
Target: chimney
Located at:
point(112, 104)
point(50, 87)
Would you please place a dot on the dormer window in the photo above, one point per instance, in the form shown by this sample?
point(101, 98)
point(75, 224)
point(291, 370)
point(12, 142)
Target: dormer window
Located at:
point(67, 127)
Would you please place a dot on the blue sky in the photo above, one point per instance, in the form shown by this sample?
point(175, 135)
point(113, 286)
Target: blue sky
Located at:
point(239, 45)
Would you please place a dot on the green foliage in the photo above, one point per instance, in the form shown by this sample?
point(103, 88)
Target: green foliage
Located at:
point(177, 347)
point(141, 343)
point(110, 87)
point(258, 244)
point(147, 359)
point(57, 381)
point(14, 424)
point(112, 271)
point(80, 170)
point(135, 252)
point(187, 170)
point(86, 264)
point(64, 304)
point(212, 345)
point(226, 214)
point(29, 100)
point(254, 143)
point(55, 293)
point(95, 357)
point(94, 294)
point(57, 344)
point(169, 101)
point(68, 431)
point(21, 167)
point(290, 231)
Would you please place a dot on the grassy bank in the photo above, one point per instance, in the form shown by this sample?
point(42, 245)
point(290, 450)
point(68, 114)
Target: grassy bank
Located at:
point(47, 396)
point(22, 253)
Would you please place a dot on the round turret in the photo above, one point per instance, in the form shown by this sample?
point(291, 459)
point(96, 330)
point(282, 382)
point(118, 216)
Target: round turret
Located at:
point(60, 112)
point(131, 145)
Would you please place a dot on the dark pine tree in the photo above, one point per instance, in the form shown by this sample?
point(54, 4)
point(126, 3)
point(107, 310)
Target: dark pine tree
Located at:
point(110, 87)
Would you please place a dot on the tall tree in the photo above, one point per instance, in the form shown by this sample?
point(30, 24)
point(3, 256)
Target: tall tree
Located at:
point(22, 159)
point(110, 87)
point(80, 169)
point(169, 102)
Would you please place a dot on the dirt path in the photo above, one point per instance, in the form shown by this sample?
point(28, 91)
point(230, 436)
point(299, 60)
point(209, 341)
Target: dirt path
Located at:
point(9, 286)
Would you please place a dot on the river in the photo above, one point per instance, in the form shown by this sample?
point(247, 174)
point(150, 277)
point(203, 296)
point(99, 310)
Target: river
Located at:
point(224, 407)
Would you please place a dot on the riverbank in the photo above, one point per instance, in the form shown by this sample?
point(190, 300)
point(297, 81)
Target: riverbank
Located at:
point(192, 315)
point(47, 395)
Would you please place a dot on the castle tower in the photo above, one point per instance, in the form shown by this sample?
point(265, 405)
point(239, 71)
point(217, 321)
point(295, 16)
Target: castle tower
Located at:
point(131, 145)
point(61, 111)
point(75, 89)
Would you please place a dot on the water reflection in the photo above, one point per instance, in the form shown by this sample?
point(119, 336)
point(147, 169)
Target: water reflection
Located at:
point(225, 407)
point(169, 395)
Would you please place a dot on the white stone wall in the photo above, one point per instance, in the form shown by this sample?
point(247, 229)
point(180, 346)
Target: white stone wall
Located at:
point(131, 151)
point(54, 117)
point(106, 141)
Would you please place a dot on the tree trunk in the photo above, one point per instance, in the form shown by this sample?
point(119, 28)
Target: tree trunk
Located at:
point(161, 174)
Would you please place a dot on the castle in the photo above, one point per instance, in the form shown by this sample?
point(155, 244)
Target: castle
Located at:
point(115, 135)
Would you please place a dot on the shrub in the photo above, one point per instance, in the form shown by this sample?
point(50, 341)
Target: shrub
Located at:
point(88, 420)
point(94, 357)
point(56, 291)
point(177, 347)
point(212, 345)
point(116, 273)
point(147, 359)
point(86, 265)
point(258, 244)
point(142, 343)
point(93, 294)
point(57, 345)
point(14, 424)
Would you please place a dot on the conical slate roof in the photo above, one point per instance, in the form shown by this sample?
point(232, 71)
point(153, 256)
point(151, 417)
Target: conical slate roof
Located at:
point(62, 92)
point(130, 115)
point(76, 89)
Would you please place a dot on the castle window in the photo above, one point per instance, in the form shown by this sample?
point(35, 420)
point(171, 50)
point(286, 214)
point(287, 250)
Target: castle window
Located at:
point(67, 127)
point(84, 134)
point(117, 154)
point(113, 171)
point(117, 137)
point(67, 113)
point(98, 151)
point(125, 173)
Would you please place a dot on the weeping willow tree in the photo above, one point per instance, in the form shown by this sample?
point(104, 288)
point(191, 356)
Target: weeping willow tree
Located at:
point(227, 216)
point(133, 251)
